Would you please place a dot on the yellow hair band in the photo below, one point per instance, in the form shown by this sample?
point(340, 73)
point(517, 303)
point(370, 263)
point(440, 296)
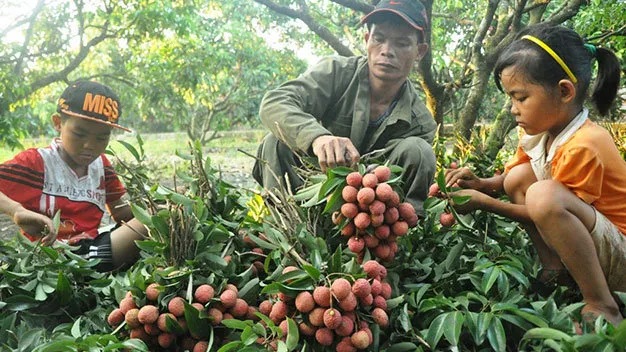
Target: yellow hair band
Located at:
point(556, 56)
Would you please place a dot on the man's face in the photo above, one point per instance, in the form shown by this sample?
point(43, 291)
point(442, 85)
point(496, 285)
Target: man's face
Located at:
point(392, 48)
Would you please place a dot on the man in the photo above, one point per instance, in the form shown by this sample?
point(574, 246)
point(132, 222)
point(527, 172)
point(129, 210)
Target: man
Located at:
point(347, 106)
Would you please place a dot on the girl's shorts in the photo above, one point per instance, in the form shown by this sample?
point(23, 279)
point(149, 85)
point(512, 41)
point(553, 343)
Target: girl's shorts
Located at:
point(611, 247)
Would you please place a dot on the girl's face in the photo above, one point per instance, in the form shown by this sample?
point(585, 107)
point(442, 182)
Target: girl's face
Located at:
point(536, 108)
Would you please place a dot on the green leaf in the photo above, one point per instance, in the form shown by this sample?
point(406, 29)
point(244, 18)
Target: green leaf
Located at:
point(293, 334)
point(547, 333)
point(496, 335)
point(40, 294)
point(231, 346)
point(403, 318)
point(76, 333)
point(131, 149)
point(489, 278)
point(235, 324)
point(335, 261)
point(141, 214)
point(64, 289)
point(435, 330)
point(313, 272)
point(460, 200)
point(250, 290)
point(197, 326)
point(452, 327)
point(402, 347)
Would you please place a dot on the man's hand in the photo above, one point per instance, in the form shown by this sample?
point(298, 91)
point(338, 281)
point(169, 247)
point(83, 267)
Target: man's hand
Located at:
point(35, 224)
point(463, 177)
point(334, 151)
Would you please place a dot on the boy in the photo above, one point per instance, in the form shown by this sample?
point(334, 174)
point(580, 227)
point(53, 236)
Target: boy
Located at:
point(73, 175)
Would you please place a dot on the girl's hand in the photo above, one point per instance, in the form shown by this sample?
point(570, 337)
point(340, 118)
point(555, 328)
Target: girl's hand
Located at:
point(35, 224)
point(475, 203)
point(464, 177)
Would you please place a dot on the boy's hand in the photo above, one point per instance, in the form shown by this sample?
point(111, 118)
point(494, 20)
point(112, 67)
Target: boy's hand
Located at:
point(475, 203)
point(464, 177)
point(35, 224)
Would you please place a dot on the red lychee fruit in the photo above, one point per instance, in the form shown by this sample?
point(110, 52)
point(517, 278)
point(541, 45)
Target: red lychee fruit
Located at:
point(324, 336)
point(377, 207)
point(361, 288)
point(240, 309)
point(176, 306)
point(250, 315)
point(284, 297)
point(215, 316)
point(305, 302)
point(306, 329)
point(279, 312)
point(349, 194)
point(362, 220)
point(161, 321)
point(367, 300)
point(412, 221)
point(152, 329)
point(127, 304)
point(384, 192)
point(369, 180)
point(372, 268)
point(394, 200)
point(354, 179)
point(382, 232)
point(332, 318)
point(406, 210)
point(349, 303)
point(284, 327)
point(380, 302)
point(382, 173)
point(371, 241)
point(232, 288)
point(227, 315)
point(337, 217)
point(391, 215)
point(321, 295)
point(377, 287)
point(139, 333)
point(360, 340)
point(201, 346)
point(132, 319)
point(228, 298)
point(434, 190)
point(265, 307)
point(166, 339)
point(346, 328)
point(454, 165)
point(377, 220)
point(383, 272)
point(187, 343)
point(148, 314)
point(152, 292)
point(356, 244)
point(382, 251)
point(345, 345)
point(386, 290)
point(380, 317)
point(366, 196)
point(349, 210)
point(447, 219)
point(340, 288)
point(116, 317)
point(400, 228)
point(348, 230)
point(316, 317)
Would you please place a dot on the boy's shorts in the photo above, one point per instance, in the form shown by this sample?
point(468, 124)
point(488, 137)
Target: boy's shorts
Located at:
point(97, 248)
point(611, 247)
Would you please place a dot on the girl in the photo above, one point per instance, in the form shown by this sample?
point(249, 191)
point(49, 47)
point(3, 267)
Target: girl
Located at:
point(567, 180)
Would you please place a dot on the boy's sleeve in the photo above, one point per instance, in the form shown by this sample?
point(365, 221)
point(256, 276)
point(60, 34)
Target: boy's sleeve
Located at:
point(580, 170)
point(114, 187)
point(22, 176)
point(519, 158)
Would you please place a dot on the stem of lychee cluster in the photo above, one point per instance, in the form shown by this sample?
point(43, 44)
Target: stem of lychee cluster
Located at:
point(341, 274)
point(230, 241)
point(252, 253)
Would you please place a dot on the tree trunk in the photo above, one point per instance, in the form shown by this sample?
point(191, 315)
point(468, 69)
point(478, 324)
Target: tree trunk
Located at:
point(504, 122)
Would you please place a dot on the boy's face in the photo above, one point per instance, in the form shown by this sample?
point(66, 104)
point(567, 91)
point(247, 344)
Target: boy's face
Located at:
point(392, 49)
point(82, 140)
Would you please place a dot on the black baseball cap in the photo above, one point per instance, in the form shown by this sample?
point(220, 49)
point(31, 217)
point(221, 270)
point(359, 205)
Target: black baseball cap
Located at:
point(411, 11)
point(92, 101)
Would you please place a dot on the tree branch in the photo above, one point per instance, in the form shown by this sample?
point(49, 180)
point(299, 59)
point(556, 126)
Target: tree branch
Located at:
point(566, 12)
point(355, 5)
point(17, 69)
point(313, 25)
point(611, 33)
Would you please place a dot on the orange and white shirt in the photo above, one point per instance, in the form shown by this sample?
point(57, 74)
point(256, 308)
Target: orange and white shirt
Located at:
point(584, 158)
point(41, 181)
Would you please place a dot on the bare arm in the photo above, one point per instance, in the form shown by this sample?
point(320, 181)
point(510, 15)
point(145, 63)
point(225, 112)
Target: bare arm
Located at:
point(120, 211)
point(32, 223)
point(465, 178)
point(484, 202)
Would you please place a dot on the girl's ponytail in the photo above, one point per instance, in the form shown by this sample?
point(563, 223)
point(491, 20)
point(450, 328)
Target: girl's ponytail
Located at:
point(607, 82)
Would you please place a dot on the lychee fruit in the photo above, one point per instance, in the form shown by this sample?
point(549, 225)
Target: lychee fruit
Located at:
point(152, 329)
point(400, 228)
point(166, 339)
point(369, 180)
point(371, 241)
point(382, 173)
point(345, 345)
point(127, 304)
point(176, 306)
point(332, 318)
point(380, 302)
point(131, 318)
point(384, 192)
point(139, 333)
point(306, 329)
point(215, 316)
point(152, 292)
point(367, 300)
point(265, 307)
point(391, 215)
point(337, 217)
point(349, 194)
point(394, 201)
point(360, 340)
point(305, 302)
point(316, 317)
point(362, 220)
point(321, 295)
point(434, 190)
point(354, 179)
point(366, 196)
point(376, 286)
point(349, 210)
point(279, 312)
point(324, 336)
point(284, 327)
point(348, 230)
point(349, 303)
point(361, 288)
point(380, 317)
point(161, 321)
point(386, 290)
point(382, 251)
point(341, 288)
point(454, 165)
point(201, 346)
point(447, 219)
point(377, 220)
point(240, 309)
point(204, 293)
point(148, 314)
point(382, 232)
point(346, 328)
point(228, 298)
point(356, 244)
point(377, 207)
point(232, 287)
point(372, 268)
point(115, 318)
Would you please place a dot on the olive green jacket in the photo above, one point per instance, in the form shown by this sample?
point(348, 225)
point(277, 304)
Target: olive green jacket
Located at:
point(333, 98)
